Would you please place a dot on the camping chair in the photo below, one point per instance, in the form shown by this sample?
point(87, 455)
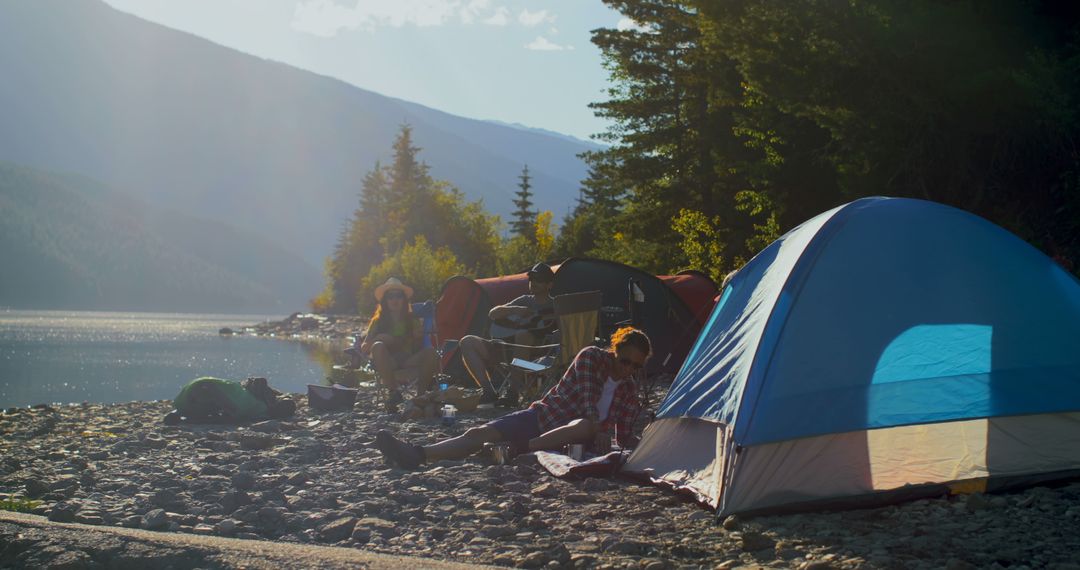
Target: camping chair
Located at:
point(426, 311)
point(407, 377)
point(578, 315)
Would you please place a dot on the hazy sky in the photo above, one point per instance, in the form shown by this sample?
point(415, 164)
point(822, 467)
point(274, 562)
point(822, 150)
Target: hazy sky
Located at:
point(519, 61)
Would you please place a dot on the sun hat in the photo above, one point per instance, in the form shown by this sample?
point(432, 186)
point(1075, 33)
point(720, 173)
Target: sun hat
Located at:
point(392, 283)
point(542, 272)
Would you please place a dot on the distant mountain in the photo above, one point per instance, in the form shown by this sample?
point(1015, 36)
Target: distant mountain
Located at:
point(187, 124)
point(67, 242)
point(546, 132)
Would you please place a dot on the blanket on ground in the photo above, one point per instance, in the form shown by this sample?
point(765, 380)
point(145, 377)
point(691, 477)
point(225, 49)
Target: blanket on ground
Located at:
point(563, 466)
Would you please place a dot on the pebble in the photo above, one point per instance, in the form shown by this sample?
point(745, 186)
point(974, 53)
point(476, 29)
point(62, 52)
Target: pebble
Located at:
point(226, 526)
point(315, 479)
point(754, 541)
point(154, 520)
point(338, 530)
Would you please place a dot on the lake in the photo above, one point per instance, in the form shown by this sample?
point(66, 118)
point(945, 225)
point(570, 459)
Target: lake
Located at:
point(65, 357)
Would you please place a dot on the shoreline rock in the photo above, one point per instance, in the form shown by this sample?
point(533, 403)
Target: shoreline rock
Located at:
point(315, 479)
point(304, 326)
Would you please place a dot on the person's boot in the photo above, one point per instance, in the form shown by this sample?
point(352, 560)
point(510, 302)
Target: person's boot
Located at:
point(405, 455)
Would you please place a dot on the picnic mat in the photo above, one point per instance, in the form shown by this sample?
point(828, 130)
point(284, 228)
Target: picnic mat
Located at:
point(563, 466)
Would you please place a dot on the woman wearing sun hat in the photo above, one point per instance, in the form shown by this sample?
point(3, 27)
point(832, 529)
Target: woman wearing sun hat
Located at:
point(395, 340)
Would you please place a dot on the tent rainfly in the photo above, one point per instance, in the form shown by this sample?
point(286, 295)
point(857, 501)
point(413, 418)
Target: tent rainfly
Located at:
point(671, 313)
point(886, 349)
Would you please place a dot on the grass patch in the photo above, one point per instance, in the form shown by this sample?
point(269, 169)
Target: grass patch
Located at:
point(18, 504)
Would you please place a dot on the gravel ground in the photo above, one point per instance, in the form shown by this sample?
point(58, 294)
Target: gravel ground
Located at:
point(315, 479)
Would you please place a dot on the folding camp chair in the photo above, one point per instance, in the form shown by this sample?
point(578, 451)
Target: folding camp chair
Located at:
point(405, 377)
point(578, 315)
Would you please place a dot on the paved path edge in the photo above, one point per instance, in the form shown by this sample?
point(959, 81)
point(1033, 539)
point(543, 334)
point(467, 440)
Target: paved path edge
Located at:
point(213, 551)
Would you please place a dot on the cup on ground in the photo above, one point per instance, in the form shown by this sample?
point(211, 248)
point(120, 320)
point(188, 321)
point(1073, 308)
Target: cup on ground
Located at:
point(449, 414)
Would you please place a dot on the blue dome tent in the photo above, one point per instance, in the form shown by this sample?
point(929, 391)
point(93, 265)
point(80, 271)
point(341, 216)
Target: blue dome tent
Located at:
point(885, 349)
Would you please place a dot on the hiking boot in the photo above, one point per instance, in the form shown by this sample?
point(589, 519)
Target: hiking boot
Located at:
point(405, 455)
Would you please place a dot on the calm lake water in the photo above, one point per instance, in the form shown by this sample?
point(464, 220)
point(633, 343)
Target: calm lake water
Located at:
point(65, 357)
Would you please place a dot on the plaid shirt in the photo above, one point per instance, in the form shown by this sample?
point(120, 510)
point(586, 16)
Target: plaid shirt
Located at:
point(579, 390)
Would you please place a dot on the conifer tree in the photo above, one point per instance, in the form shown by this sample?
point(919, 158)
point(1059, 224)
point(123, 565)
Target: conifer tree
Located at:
point(524, 222)
point(358, 247)
point(374, 194)
point(411, 201)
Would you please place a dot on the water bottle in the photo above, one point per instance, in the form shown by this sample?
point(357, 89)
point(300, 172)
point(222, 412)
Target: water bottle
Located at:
point(449, 414)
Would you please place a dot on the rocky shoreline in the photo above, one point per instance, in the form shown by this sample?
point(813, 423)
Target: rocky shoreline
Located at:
point(305, 326)
point(316, 479)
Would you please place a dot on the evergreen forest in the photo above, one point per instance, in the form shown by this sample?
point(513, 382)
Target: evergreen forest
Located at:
point(733, 122)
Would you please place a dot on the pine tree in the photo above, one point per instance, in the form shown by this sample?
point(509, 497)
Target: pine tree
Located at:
point(374, 194)
point(401, 206)
point(672, 106)
point(410, 206)
point(358, 247)
point(524, 224)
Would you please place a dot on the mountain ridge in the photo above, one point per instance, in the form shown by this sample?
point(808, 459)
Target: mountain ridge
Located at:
point(71, 243)
point(212, 132)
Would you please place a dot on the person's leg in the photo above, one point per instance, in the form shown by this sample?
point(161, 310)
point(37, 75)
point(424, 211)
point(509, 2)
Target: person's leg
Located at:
point(427, 360)
point(525, 351)
point(462, 446)
point(385, 364)
point(411, 456)
point(517, 428)
point(528, 342)
point(477, 357)
point(577, 431)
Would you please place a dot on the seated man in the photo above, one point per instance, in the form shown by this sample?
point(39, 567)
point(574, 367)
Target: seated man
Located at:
point(596, 398)
point(527, 312)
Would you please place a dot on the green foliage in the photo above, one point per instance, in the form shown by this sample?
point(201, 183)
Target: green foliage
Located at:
point(419, 265)
point(631, 250)
point(702, 242)
point(324, 301)
point(401, 205)
point(520, 252)
point(578, 235)
point(524, 217)
point(17, 504)
point(768, 231)
point(735, 121)
point(672, 102)
point(359, 245)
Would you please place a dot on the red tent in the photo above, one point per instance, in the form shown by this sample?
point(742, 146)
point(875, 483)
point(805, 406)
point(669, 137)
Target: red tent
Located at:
point(696, 290)
point(675, 309)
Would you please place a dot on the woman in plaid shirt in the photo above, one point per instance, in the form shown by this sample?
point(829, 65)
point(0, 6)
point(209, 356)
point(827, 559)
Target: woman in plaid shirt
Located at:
point(596, 398)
